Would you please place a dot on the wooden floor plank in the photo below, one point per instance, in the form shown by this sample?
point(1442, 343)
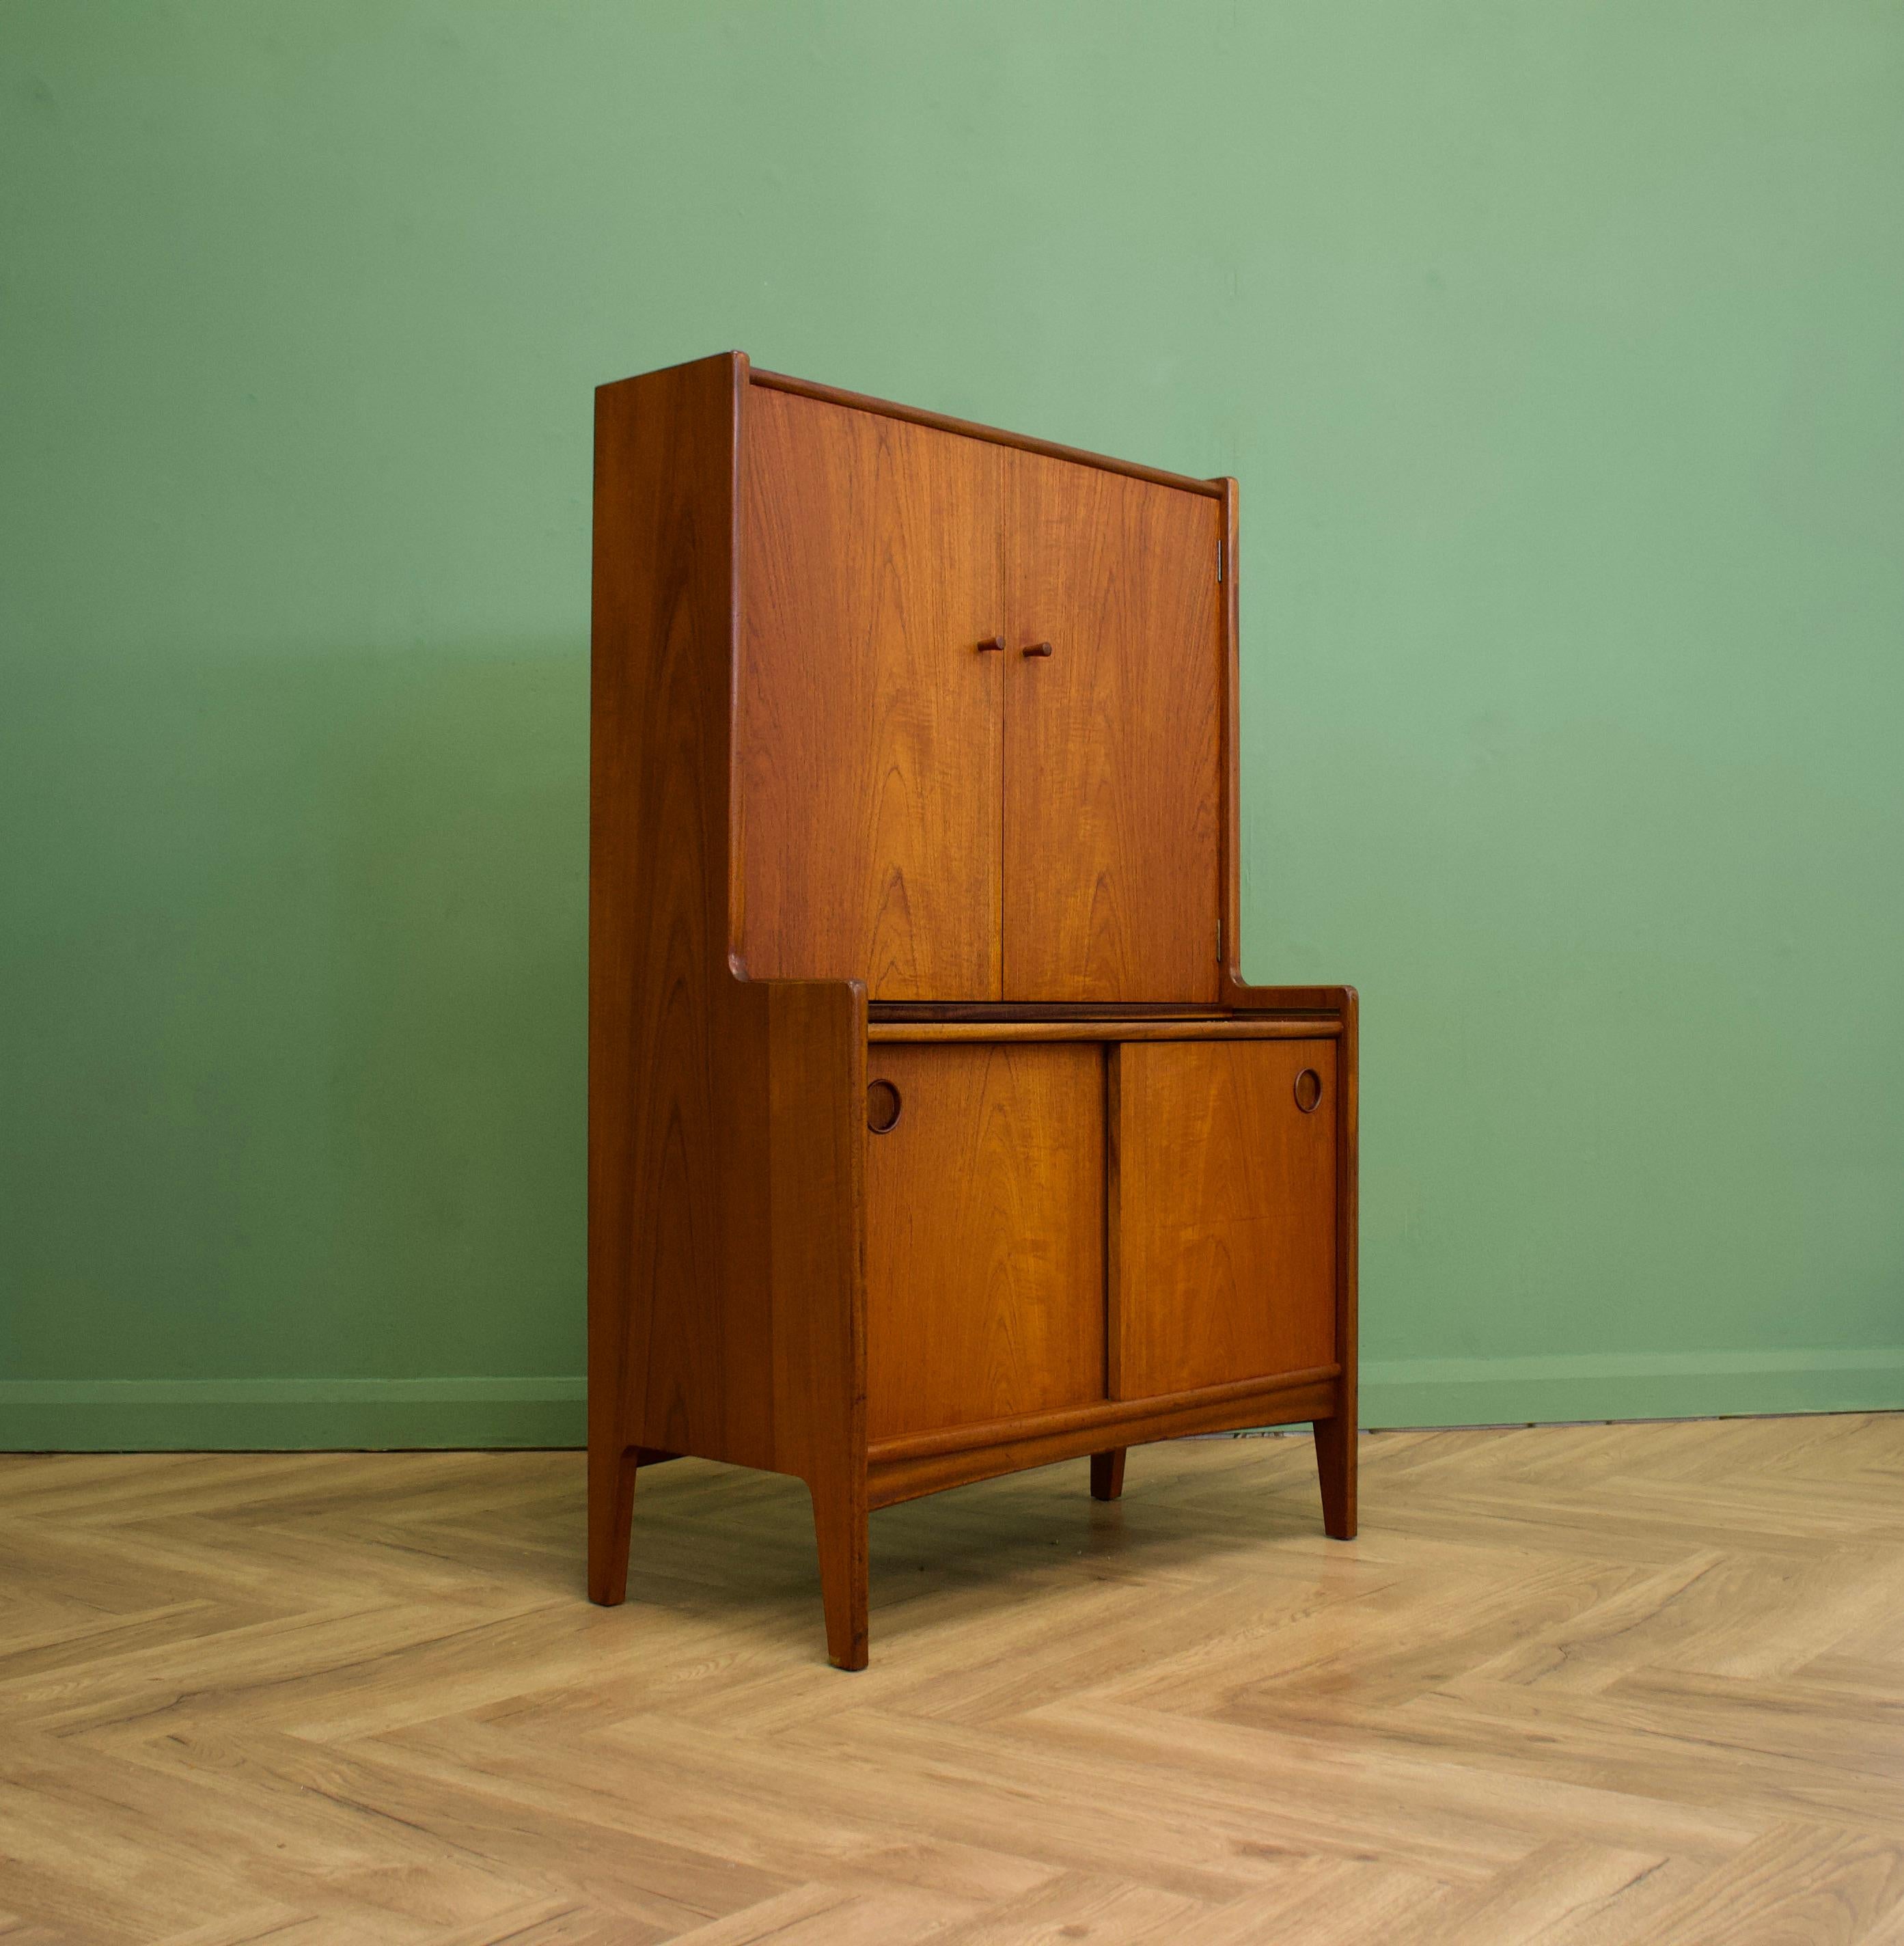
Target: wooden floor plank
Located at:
point(1575, 1685)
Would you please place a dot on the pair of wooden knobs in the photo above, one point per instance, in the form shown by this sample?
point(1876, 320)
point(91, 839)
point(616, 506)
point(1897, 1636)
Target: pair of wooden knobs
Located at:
point(997, 643)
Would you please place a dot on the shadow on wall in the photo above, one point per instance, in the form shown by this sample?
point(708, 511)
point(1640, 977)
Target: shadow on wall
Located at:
point(302, 1007)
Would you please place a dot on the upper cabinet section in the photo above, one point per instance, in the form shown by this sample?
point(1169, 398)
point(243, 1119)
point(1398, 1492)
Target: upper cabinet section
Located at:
point(1112, 784)
point(979, 714)
point(868, 748)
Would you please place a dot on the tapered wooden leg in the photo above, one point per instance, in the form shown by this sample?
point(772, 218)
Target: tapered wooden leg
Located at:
point(1107, 1474)
point(611, 1507)
point(1335, 1462)
point(840, 1525)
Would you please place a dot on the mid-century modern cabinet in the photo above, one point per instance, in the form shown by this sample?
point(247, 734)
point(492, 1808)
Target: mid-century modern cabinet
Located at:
point(932, 1133)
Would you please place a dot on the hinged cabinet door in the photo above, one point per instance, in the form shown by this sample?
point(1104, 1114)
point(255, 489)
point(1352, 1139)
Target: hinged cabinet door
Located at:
point(869, 731)
point(1223, 1212)
point(1113, 728)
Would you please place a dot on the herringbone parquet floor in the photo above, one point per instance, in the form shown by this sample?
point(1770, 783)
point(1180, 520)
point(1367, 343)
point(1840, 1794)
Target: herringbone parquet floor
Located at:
point(1579, 1684)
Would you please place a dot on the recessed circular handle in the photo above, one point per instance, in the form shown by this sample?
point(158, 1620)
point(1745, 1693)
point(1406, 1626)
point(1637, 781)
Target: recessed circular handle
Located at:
point(995, 645)
point(1308, 1091)
point(883, 1105)
point(1037, 649)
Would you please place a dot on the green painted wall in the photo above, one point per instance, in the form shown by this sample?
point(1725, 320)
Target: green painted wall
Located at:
point(1557, 349)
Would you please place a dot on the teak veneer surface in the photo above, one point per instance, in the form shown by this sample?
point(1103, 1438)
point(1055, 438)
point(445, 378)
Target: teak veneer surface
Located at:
point(984, 1236)
point(1630, 1685)
point(1113, 866)
point(726, 1156)
point(1223, 1261)
point(978, 719)
point(871, 723)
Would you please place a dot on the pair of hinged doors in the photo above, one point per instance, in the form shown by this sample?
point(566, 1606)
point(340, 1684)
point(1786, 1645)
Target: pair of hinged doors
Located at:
point(1053, 1224)
point(980, 715)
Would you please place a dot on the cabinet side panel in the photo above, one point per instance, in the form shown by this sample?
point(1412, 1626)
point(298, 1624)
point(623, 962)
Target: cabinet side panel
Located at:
point(817, 1107)
point(868, 728)
point(1228, 831)
point(1225, 1214)
point(1113, 796)
point(678, 1285)
point(1348, 1178)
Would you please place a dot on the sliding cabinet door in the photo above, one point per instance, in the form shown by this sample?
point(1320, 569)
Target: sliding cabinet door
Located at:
point(1223, 1212)
point(985, 1233)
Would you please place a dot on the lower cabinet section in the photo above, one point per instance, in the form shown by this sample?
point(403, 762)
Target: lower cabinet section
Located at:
point(1050, 1225)
point(985, 1233)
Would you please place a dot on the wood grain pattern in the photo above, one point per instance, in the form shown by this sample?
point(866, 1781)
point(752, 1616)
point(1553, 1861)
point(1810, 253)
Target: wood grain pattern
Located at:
point(1112, 781)
point(1335, 1440)
point(725, 1182)
point(657, 918)
point(1222, 1214)
point(1628, 1686)
point(985, 1268)
point(870, 718)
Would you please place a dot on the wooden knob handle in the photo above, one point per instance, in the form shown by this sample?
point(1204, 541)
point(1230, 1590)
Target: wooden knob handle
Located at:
point(997, 642)
point(1039, 649)
point(1309, 1090)
point(883, 1106)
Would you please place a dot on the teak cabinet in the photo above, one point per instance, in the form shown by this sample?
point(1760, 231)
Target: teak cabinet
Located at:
point(932, 1133)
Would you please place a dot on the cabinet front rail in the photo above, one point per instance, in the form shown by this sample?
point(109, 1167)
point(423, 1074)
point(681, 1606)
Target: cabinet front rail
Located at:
point(904, 1469)
point(1231, 1027)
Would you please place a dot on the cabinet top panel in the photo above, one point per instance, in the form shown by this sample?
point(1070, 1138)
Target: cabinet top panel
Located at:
point(860, 401)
